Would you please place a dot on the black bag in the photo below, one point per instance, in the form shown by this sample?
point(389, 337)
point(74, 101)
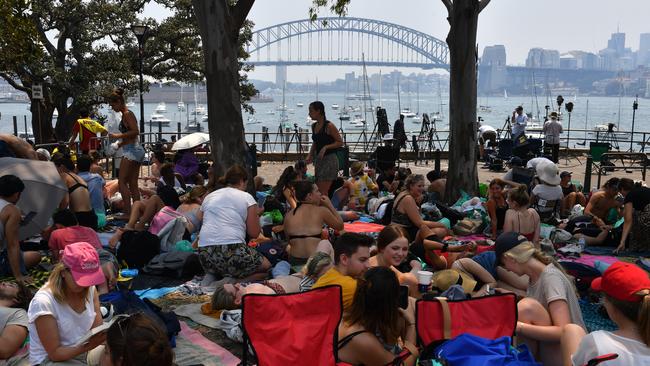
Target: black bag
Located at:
point(582, 273)
point(174, 264)
point(388, 213)
point(137, 248)
point(127, 302)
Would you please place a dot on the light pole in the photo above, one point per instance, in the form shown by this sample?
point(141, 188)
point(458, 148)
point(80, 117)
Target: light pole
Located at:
point(569, 109)
point(635, 106)
point(140, 32)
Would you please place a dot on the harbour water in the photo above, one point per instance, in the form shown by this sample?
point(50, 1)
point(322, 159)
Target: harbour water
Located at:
point(600, 111)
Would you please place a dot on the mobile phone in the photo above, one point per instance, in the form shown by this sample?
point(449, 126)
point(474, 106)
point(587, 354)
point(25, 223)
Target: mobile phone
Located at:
point(403, 296)
point(28, 218)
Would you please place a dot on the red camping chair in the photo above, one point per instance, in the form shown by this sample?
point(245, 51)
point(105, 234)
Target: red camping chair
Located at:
point(490, 317)
point(293, 329)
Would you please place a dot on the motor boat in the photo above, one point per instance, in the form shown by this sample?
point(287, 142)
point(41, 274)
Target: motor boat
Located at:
point(335, 106)
point(158, 119)
point(609, 131)
point(161, 108)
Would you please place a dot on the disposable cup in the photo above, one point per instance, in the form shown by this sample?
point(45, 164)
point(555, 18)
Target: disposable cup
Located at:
point(424, 280)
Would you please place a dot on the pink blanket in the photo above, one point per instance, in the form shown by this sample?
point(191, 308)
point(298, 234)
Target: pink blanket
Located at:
point(589, 259)
point(218, 353)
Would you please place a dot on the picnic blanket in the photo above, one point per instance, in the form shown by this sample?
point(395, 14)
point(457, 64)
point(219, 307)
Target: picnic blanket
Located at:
point(362, 227)
point(193, 311)
point(39, 274)
point(192, 348)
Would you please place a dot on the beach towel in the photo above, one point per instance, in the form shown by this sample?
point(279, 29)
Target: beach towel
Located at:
point(193, 311)
point(362, 227)
point(192, 348)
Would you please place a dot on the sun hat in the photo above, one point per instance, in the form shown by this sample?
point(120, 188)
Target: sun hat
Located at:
point(83, 261)
point(44, 152)
point(357, 168)
point(565, 174)
point(623, 281)
point(548, 173)
point(444, 279)
point(388, 137)
point(553, 115)
point(505, 242)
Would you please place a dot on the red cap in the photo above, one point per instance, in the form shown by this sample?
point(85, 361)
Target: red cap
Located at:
point(83, 261)
point(623, 281)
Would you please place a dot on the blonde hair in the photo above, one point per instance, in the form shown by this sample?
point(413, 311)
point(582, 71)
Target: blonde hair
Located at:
point(194, 194)
point(523, 252)
point(56, 283)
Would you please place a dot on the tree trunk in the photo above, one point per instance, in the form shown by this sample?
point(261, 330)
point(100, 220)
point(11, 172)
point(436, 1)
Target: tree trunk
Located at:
point(462, 175)
point(42, 121)
point(220, 47)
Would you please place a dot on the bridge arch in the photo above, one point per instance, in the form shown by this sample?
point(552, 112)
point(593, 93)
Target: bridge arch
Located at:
point(427, 52)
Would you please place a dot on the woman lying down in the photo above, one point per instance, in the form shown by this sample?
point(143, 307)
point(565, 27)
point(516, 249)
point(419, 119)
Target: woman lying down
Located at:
point(228, 292)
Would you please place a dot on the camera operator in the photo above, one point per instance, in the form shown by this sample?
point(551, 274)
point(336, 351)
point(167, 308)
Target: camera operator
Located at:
point(519, 121)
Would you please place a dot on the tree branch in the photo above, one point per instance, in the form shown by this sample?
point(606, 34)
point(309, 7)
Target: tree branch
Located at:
point(43, 37)
point(240, 12)
point(13, 83)
point(448, 5)
point(482, 5)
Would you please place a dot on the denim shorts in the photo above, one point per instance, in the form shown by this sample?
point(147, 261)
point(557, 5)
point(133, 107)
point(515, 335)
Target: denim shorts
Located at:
point(5, 267)
point(133, 152)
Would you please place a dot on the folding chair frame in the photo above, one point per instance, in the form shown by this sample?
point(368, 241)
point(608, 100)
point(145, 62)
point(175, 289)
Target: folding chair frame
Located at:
point(248, 342)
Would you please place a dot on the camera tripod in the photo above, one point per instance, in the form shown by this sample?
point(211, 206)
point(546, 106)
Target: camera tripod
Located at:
point(296, 134)
point(507, 128)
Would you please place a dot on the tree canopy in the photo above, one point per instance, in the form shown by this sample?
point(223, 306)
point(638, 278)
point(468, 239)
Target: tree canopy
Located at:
point(81, 50)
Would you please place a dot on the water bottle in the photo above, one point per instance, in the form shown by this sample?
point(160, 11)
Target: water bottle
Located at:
point(582, 244)
point(129, 272)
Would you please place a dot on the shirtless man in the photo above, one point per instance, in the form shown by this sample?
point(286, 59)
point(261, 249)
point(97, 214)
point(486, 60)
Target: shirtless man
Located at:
point(21, 148)
point(602, 201)
point(78, 196)
point(13, 261)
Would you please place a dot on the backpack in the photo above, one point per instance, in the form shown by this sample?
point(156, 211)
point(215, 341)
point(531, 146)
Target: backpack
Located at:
point(468, 349)
point(388, 212)
point(127, 302)
point(174, 264)
point(582, 273)
point(137, 248)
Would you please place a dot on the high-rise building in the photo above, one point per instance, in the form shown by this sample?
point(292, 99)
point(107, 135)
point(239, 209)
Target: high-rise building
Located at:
point(543, 59)
point(280, 75)
point(643, 56)
point(617, 43)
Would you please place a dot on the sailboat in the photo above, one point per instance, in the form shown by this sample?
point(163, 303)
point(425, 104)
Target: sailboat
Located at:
point(199, 111)
point(180, 105)
point(284, 118)
point(417, 119)
point(505, 94)
point(343, 114)
point(485, 108)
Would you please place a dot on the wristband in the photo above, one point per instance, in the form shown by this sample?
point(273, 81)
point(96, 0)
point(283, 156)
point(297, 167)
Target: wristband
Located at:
point(445, 246)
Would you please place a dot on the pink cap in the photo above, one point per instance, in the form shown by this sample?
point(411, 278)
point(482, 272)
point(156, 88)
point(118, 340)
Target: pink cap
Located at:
point(83, 261)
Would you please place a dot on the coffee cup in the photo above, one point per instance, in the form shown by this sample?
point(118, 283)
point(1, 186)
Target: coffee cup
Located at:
point(424, 280)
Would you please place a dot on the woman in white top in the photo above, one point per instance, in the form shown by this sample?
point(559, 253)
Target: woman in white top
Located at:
point(66, 308)
point(551, 301)
point(230, 214)
point(626, 300)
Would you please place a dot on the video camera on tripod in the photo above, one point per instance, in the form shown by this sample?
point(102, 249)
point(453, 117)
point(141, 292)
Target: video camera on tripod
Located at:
point(382, 122)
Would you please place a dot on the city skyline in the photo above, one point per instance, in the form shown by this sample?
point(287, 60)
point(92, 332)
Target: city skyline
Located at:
point(518, 24)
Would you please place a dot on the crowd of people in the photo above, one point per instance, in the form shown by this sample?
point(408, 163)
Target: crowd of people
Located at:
point(303, 216)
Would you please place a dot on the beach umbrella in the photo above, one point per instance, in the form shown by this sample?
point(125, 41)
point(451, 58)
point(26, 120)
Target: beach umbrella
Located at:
point(192, 140)
point(44, 190)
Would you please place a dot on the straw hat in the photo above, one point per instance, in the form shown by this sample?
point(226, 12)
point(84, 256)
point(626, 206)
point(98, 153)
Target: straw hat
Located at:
point(446, 278)
point(549, 173)
point(357, 168)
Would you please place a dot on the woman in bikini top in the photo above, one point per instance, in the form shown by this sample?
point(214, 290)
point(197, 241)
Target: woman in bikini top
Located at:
point(304, 224)
point(520, 217)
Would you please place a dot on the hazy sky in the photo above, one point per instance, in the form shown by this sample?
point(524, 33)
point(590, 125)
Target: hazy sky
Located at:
point(518, 24)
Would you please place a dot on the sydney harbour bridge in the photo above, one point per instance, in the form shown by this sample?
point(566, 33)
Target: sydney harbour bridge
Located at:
point(339, 41)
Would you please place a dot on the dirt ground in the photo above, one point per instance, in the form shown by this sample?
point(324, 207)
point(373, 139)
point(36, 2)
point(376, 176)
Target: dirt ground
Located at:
point(576, 165)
